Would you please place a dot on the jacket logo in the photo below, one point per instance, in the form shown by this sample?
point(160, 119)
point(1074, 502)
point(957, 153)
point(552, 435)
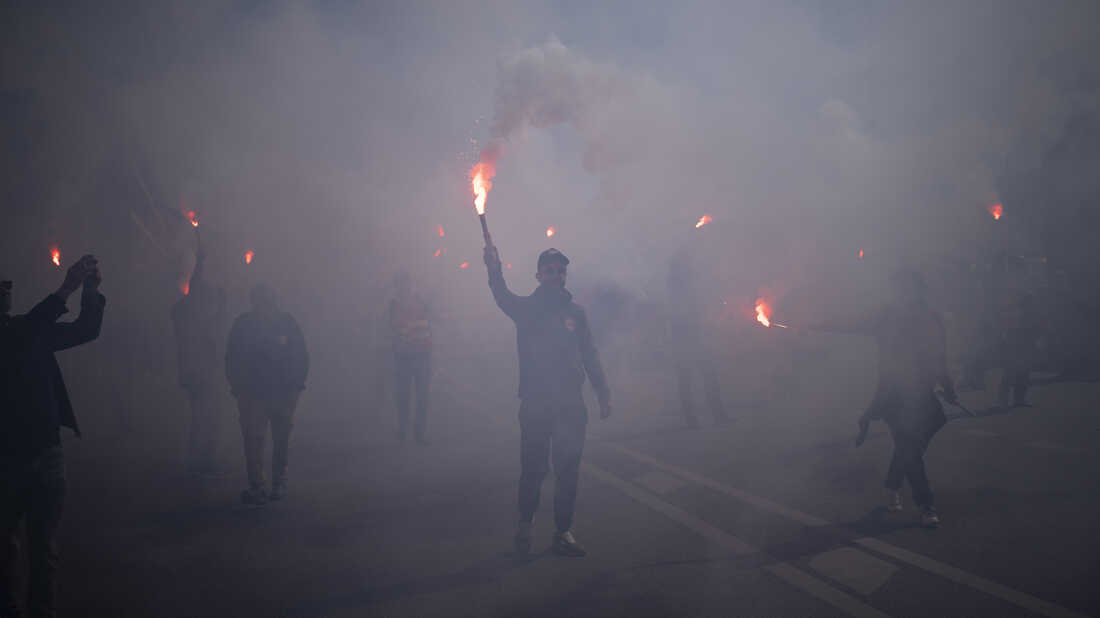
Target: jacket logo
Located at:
point(570, 324)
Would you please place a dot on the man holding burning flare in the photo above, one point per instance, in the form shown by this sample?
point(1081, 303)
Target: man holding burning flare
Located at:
point(556, 350)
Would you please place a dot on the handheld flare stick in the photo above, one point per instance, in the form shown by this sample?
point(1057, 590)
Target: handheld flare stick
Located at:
point(479, 178)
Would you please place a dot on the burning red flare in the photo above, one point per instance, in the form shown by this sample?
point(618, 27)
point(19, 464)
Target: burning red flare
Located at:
point(509, 266)
point(248, 255)
point(437, 252)
point(55, 256)
point(185, 287)
point(762, 311)
point(861, 254)
point(441, 231)
point(480, 177)
point(996, 210)
point(193, 218)
point(550, 231)
point(464, 265)
point(705, 219)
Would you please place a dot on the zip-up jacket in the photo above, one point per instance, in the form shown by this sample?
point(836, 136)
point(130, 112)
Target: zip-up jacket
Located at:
point(554, 342)
point(34, 403)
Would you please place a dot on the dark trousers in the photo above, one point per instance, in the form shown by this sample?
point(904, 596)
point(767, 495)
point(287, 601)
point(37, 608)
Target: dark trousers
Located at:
point(711, 388)
point(908, 463)
point(550, 431)
point(1016, 356)
point(35, 488)
point(202, 439)
point(255, 415)
point(412, 370)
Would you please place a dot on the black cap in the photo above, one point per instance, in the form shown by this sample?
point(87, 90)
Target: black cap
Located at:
point(552, 255)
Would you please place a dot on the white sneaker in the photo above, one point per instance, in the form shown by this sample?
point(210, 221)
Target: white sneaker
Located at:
point(893, 501)
point(928, 517)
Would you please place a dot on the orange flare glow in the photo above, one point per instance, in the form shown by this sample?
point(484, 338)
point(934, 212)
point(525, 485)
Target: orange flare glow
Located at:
point(762, 311)
point(441, 234)
point(55, 256)
point(996, 210)
point(480, 177)
point(248, 256)
point(550, 231)
point(861, 254)
point(705, 219)
point(185, 287)
point(509, 266)
point(464, 265)
point(193, 218)
point(437, 252)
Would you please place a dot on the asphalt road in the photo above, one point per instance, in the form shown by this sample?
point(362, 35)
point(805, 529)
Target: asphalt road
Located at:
point(775, 514)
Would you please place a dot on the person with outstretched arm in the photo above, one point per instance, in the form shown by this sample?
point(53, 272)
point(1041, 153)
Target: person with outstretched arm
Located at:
point(34, 406)
point(556, 351)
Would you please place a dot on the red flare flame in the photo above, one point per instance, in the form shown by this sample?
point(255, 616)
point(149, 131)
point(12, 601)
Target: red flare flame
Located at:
point(705, 219)
point(464, 265)
point(193, 218)
point(762, 311)
point(185, 287)
point(509, 266)
point(441, 234)
point(437, 252)
point(55, 256)
point(480, 177)
point(248, 255)
point(861, 254)
point(550, 231)
point(996, 210)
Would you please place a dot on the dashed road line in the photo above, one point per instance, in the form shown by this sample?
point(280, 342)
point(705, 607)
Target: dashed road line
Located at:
point(785, 572)
point(1021, 599)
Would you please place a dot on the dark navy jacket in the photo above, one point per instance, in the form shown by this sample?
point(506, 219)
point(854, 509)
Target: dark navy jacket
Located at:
point(34, 403)
point(554, 341)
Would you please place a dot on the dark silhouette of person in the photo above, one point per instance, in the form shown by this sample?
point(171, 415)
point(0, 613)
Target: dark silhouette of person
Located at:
point(912, 360)
point(197, 320)
point(34, 405)
point(556, 350)
point(266, 364)
point(689, 352)
point(411, 338)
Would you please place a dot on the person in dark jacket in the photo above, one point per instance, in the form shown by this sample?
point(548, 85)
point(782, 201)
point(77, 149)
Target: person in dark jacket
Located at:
point(34, 405)
point(687, 345)
point(912, 356)
point(266, 363)
point(555, 352)
point(411, 333)
point(197, 319)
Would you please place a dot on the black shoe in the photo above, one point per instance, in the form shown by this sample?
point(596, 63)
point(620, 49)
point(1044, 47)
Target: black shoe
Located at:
point(254, 496)
point(566, 545)
point(278, 490)
point(522, 541)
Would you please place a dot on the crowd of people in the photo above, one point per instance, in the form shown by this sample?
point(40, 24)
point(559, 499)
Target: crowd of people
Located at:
point(264, 360)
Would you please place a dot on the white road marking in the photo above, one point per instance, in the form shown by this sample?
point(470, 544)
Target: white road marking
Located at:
point(660, 483)
point(1052, 446)
point(793, 576)
point(946, 571)
point(855, 569)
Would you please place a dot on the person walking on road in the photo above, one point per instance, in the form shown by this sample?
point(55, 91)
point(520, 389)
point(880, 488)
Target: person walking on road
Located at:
point(266, 363)
point(411, 334)
point(198, 319)
point(34, 405)
point(912, 363)
point(556, 350)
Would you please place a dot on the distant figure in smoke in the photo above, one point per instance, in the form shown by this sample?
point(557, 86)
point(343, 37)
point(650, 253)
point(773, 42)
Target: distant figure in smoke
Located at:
point(912, 362)
point(266, 363)
point(555, 352)
point(411, 333)
point(197, 319)
point(34, 405)
point(690, 353)
point(1017, 322)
